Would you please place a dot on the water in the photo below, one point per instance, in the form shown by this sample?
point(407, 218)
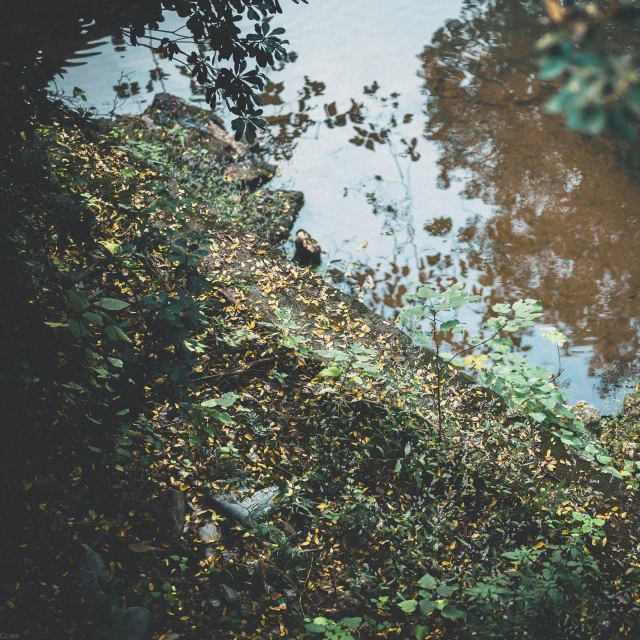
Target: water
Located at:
point(416, 132)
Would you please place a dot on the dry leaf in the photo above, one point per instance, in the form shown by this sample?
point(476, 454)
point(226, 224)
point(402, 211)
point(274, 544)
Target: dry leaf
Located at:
point(140, 547)
point(555, 10)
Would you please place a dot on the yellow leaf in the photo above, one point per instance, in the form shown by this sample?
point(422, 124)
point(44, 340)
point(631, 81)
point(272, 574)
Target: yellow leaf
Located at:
point(555, 10)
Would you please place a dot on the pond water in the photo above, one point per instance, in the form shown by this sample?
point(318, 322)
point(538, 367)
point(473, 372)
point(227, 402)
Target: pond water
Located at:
point(415, 129)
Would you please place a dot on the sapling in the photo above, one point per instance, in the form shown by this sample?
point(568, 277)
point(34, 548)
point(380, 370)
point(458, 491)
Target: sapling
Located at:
point(528, 389)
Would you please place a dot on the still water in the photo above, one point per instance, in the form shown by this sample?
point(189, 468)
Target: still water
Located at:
point(415, 130)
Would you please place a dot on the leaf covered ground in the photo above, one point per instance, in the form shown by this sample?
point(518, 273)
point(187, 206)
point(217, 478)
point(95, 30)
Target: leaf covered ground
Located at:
point(378, 529)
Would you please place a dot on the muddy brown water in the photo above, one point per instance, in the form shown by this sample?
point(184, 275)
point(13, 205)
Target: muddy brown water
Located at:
point(416, 131)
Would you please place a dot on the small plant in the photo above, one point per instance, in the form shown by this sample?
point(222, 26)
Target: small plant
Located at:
point(434, 597)
point(526, 389)
point(333, 630)
point(350, 367)
point(289, 330)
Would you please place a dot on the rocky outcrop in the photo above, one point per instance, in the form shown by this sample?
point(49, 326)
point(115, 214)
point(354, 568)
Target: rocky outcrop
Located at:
point(242, 508)
point(276, 212)
point(93, 577)
point(249, 175)
point(587, 413)
point(135, 624)
point(168, 509)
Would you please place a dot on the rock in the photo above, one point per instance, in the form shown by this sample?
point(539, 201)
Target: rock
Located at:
point(586, 412)
point(93, 576)
point(631, 404)
point(216, 604)
point(135, 624)
point(230, 594)
point(209, 532)
point(630, 450)
point(247, 510)
point(203, 125)
point(169, 109)
point(337, 275)
point(308, 251)
point(170, 509)
point(291, 595)
point(230, 556)
point(247, 608)
point(275, 212)
point(249, 175)
point(230, 150)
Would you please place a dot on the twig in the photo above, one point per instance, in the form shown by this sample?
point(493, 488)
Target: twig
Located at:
point(235, 372)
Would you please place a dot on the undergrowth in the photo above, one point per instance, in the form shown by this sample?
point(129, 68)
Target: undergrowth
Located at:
point(195, 358)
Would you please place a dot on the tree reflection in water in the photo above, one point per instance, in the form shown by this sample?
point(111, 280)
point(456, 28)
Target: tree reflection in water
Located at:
point(565, 227)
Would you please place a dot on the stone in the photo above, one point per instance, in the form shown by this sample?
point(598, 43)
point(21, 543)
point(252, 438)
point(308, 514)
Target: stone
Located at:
point(209, 532)
point(275, 212)
point(135, 624)
point(93, 576)
point(630, 450)
point(170, 508)
point(246, 510)
point(230, 594)
point(308, 251)
point(169, 109)
point(586, 412)
point(215, 604)
point(291, 595)
point(249, 175)
point(631, 404)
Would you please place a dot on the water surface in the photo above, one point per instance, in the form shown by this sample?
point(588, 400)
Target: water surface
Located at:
point(415, 129)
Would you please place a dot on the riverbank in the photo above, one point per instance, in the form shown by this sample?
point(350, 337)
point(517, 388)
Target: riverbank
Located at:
point(298, 486)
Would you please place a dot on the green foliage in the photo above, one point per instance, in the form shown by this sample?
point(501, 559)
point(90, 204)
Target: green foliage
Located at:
point(333, 630)
point(527, 390)
point(598, 78)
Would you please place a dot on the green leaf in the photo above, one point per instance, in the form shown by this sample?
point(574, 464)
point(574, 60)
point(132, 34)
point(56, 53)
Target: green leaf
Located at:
point(116, 333)
point(93, 318)
point(331, 372)
point(77, 301)
point(421, 339)
point(426, 293)
point(221, 416)
point(56, 325)
point(537, 416)
point(112, 304)
point(451, 612)
point(408, 606)
point(228, 399)
point(450, 325)
point(351, 623)
point(445, 591)
point(428, 582)
point(591, 120)
point(78, 329)
point(315, 628)
point(553, 66)
point(420, 631)
point(427, 606)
